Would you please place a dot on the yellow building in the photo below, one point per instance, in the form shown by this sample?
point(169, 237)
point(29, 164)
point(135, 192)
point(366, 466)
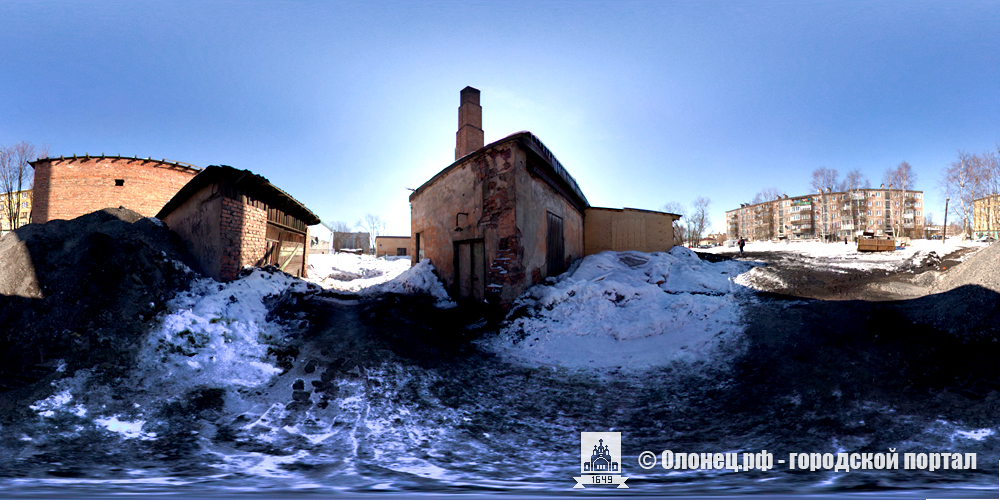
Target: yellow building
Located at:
point(986, 216)
point(20, 201)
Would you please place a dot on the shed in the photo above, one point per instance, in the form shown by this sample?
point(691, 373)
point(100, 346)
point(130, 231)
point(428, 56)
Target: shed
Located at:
point(232, 218)
point(620, 229)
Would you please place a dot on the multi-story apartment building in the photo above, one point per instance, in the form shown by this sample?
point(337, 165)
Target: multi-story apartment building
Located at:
point(986, 216)
point(21, 202)
point(830, 215)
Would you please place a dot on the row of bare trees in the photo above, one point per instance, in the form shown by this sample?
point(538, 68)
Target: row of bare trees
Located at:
point(694, 224)
point(16, 177)
point(970, 177)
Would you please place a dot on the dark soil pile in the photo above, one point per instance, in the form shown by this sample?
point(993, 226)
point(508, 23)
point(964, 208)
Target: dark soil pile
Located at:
point(83, 291)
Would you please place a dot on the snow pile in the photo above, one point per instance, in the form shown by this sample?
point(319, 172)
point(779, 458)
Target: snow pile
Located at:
point(347, 272)
point(367, 275)
point(627, 310)
point(216, 332)
point(417, 279)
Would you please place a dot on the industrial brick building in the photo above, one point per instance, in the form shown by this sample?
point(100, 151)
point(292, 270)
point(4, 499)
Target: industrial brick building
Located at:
point(506, 215)
point(830, 216)
point(68, 187)
point(231, 218)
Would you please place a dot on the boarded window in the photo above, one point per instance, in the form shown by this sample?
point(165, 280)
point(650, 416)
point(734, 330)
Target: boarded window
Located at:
point(555, 258)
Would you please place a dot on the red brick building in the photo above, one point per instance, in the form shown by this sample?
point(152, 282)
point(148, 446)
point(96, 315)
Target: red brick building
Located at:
point(506, 215)
point(68, 187)
point(232, 218)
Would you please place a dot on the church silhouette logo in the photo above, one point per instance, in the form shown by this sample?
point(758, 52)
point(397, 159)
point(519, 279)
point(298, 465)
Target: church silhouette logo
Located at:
point(600, 459)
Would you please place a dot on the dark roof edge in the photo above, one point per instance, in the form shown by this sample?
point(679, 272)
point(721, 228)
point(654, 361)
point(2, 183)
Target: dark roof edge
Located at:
point(119, 157)
point(531, 143)
point(217, 172)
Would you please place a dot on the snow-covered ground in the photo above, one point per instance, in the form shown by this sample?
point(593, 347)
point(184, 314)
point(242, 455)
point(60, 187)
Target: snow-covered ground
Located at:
point(839, 256)
point(352, 273)
point(366, 274)
point(628, 311)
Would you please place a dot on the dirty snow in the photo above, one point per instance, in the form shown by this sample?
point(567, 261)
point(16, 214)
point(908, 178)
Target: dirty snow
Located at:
point(628, 311)
point(838, 256)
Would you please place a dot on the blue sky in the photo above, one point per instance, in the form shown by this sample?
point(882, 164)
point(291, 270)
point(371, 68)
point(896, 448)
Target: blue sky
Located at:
point(345, 105)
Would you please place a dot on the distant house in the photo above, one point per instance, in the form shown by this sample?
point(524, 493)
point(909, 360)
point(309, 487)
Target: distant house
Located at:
point(506, 215)
point(233, 218)
point(15, 207)
point(393, 246)
point(320, 238)
point(352, 242)
point(71, 186)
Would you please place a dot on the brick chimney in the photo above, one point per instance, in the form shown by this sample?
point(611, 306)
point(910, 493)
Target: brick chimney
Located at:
point(470, 123)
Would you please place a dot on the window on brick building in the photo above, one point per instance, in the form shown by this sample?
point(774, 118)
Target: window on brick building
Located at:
point(119, 182)
point(400, 252)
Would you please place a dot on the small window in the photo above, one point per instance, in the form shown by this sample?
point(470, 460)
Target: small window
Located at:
point(119, 182)
point(400, 252)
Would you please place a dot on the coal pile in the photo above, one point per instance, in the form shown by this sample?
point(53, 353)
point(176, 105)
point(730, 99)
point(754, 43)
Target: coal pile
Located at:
point(80, 293)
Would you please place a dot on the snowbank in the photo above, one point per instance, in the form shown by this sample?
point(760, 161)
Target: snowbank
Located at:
point(417, 279)
point(347, 272)
point(627, 310)
point(367, 275)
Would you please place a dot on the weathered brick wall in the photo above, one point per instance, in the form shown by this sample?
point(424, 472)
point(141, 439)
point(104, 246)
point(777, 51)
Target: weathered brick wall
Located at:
point(70, 187)
point(243, 229)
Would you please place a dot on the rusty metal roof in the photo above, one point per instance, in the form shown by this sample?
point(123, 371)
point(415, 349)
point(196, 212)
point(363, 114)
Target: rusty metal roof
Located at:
point(243, 179)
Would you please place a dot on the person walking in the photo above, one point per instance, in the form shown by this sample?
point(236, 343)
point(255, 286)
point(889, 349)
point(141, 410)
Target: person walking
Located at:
point(741, 243)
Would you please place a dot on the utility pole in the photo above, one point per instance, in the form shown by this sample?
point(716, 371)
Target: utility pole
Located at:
point(944, 229)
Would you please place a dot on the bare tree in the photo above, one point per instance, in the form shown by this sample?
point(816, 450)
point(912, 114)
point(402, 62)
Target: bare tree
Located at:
point(854, 184)
point(341, 235)
point(766, 194)
point(699, 221)
point(16, 176)
point(765, 222)
point(961, 182)
point(375, 227)
point(674, 207)
point(900, 180)
point(823, 178)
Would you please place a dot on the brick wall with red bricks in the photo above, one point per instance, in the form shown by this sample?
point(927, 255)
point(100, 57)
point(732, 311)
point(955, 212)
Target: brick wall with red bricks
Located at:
point(243, 228)
point(70, 187)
